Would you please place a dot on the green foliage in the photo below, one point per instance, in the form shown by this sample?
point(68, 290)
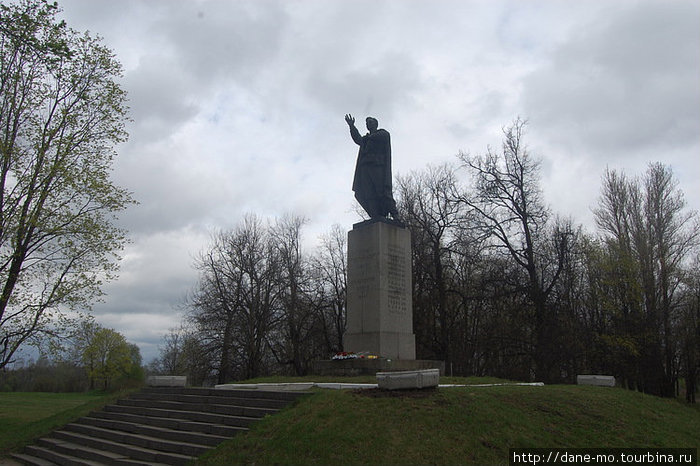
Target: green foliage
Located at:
point(61, 114)
point(648, 238)
point(108, 357)
point(458, 426)
point(92, 357)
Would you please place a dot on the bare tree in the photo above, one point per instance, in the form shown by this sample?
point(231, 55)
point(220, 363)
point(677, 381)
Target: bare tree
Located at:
point(507, 199)
point(689, 330)
point(182, 353)
point(296, 306)
point(330, 265)
point(216, 303)
point(235, 306)
point(427, 204)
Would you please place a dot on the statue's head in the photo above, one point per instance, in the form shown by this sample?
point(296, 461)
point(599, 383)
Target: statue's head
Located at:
point(372, 124)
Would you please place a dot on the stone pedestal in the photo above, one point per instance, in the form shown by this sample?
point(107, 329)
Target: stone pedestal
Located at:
point(380, 308)
point(355, 367)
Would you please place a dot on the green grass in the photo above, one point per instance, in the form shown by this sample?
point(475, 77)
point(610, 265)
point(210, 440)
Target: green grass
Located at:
point(474, 425)
point(25, 417)
point(458, 425)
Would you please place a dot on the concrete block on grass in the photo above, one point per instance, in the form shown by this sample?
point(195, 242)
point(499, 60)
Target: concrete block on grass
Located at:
point(598, 380)
point(408, 379)
point(166, 381)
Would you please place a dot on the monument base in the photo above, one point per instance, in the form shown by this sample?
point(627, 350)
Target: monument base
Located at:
point(392, 344)
point(379, 299)
point(352, 367)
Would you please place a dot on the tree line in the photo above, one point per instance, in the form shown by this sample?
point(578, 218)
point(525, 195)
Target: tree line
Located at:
point(502, 285)
point(90, 357)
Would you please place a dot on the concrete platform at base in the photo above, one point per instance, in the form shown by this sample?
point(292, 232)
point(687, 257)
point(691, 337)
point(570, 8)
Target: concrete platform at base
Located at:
point(294, 386)
point(350, 367)
point(302, 386)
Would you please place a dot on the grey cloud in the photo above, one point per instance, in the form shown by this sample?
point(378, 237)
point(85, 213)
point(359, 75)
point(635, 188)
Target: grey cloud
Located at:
point(160, 99)
point(222, 39)
point(184, 179)
point(377, 86)
point(623, 84)
point(156, 274)
point(190, 50)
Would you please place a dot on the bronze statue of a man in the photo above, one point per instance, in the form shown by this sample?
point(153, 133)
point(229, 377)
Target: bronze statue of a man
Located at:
point(372, 182)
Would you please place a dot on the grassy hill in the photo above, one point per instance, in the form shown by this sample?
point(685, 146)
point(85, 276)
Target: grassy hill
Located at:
point(476, 425)
point(471, 425)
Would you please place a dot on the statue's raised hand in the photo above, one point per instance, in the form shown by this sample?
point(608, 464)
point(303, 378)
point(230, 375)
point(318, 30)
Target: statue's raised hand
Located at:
point(349, 120)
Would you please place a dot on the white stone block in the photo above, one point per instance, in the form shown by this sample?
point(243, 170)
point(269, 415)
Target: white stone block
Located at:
point(408, 379)
point(599, 380)
point(166, 381)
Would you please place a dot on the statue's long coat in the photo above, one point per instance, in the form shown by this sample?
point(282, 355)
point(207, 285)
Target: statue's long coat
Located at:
point(373, 169)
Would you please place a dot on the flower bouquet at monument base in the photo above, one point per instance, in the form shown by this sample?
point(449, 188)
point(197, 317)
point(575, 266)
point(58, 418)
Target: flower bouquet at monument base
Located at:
point(342, 355)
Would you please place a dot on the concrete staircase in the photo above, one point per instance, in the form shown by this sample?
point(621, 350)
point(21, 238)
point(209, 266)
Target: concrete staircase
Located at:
point(170, 426)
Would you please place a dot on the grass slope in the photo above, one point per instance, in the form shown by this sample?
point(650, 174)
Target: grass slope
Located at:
point(474, 425)
point(25, 417)
point(447, 426)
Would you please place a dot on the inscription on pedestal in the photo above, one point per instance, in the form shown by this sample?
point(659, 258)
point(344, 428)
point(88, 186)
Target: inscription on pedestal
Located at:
point(396, 278)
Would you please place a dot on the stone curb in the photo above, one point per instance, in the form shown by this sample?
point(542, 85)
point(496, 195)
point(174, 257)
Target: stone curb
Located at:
point(297, 386)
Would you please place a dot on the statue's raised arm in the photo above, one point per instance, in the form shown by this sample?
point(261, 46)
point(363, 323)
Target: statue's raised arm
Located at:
point(354, 133)
point(373, 183)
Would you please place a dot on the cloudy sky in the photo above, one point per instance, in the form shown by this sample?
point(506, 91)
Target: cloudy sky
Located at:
point(238, 107)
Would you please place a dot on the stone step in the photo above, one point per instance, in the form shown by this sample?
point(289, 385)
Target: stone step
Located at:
point(229, 410)
point(225, 393)
point(26, 458)
point(198, 416)
point(270, 403)
point(140, 440)
point(156, 427)
point(153, 431)
point(172, 423)
point(131, 451)
point(74, 453)
point(57, 456)
point(64, 452)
